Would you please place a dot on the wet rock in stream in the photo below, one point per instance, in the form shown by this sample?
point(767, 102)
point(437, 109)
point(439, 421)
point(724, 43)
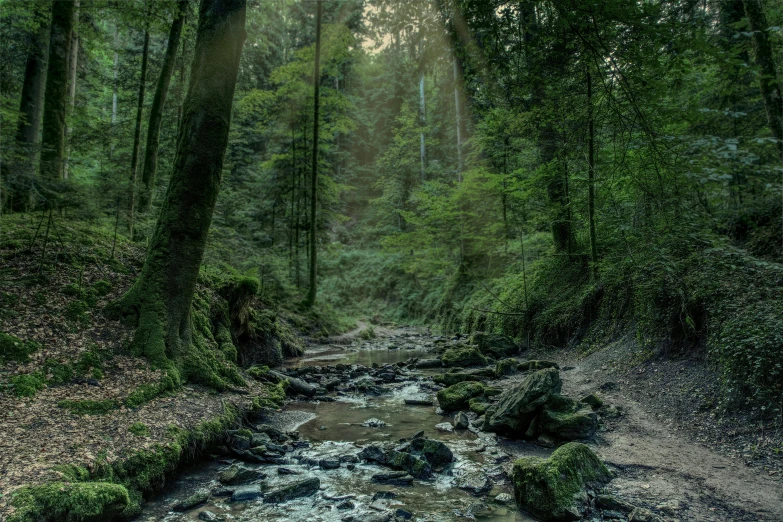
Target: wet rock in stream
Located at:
point(300, 488)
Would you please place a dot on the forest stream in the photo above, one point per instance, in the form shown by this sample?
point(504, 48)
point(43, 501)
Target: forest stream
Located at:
point(317, 465)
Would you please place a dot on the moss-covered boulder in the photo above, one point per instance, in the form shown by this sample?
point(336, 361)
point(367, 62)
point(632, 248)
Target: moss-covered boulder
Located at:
point(416, 466)
point(467, 356)
point(497, 345)
point(437, 454)
point(452, 378)
point(556, 488)
point(505, 367)
point(70, 501)
point(479, 405)
point(457, 397)
point(567, 419)
point(517, 406)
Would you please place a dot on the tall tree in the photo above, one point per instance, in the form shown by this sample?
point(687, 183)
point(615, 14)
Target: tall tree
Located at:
point(310, 300)
point(156, 111)
point(56, 95)
point(768, 81)
point(73, 63)
point(159, 302)
point(137, 132)
point(31, 110)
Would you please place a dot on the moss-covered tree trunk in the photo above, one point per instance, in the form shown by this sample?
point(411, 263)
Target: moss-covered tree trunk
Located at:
point(56, 94)
point(768, 81)
point(31, 109)
point(137, 131)
point(156, 111)
point(160, 300)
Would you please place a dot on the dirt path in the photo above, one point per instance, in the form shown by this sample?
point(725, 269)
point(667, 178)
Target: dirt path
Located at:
point(661, 466)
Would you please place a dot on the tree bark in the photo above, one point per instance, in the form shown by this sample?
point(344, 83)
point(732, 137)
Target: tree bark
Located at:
point(591, 178)
point(31, 109)
point(73, 63)
point(768, 82)
point(137, 133)
point(56, 94)
point(458, 115)
point(156, 111)
point(311, 293)
point(160, 300)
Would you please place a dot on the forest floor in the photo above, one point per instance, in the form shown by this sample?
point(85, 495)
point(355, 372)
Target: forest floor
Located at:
point(89, 403)
point(675, 452)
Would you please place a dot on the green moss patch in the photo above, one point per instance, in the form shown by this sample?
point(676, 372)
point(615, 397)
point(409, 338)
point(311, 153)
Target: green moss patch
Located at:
point(15, 349)
point(139, 429)
point(463, 357)
point(457, 397)
point(88, 407)
point(555, 488)
point(69, 501)
point(28, 384)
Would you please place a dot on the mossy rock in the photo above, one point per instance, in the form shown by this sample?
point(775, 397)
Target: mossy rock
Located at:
point(452, 378)
point(593, 400)
point(518, 406)
point(505, 367)
point(435, 452)
point(467, 356)
point(536, 365)
point(457, 397)
point(70, 502)
point(556, 488)
point(416, 466)
point(478, 405)
point(28, 384)
point(497, 345)
point(566, 419)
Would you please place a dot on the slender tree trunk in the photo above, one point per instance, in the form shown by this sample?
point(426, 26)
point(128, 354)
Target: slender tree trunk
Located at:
point(293, 196)
point(458, 114)
point(310, 300)
point(765, 59)
point(56, 95)
point(160, 300)
point(73, 64)
point(31, 109)
point(115, 87)
point(137, 133)
point(156, 111)
point(591, 178)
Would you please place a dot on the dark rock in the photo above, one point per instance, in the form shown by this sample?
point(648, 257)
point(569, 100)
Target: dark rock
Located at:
point(273, 433)
point(324, 398)
point(505, 367)
point(610, 502)
point(416, 466)
point(223, 492)
point(384, 495)
point(209, 516)
point(373, 453)
point(237, 474)
point(350, 458)
point(418, 402)
point(451, 378)
point(517, 406)
point(329, 463)
point(397, 478)
point(418, 435)
point(191, 502)
point(436, 453)
point(461, 421)
point(245, 493)
point(592, 400)
point(288, 471)
point(345, 504)
point(613, 515)
point(401, 513)
point(373, 423)
point(301, 488)
point(296, 386)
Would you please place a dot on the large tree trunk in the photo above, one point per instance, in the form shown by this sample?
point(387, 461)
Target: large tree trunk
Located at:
point(56, 96)
point(73, 64)
point(31, 109)
point(160, 300)
point(591, 178)
point(156, 111)
point(310, 300)
point(770, 87)
point(137, 132)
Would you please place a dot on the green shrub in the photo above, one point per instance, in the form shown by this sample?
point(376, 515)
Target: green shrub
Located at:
point(60, 373)
point(14, 349)
point(28, 384)
point(76, 311)
point(88, 407)
point(139, 429)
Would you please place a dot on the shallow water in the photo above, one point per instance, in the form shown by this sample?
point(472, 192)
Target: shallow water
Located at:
point(334, 429)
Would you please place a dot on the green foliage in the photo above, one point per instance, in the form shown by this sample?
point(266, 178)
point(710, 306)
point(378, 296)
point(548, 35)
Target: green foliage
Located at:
point(15, 349)
point(76, 311)
point(28, 384)
point(139, 429)
point(57, 372)
point(69, 501)
point(146, 392)
point(88, 407)
point(101, 288)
